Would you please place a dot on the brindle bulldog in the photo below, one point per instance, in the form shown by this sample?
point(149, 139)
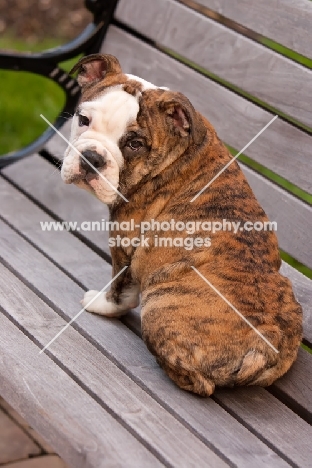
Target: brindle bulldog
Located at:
point(146, 153)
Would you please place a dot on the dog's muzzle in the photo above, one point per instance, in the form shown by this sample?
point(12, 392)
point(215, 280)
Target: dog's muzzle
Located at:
point(92, 162)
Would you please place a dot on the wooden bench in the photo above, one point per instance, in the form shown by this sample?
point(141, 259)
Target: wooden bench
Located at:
point(97, 395)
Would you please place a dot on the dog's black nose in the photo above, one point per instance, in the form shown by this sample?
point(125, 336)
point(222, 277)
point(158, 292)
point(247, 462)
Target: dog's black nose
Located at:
point(91, 160)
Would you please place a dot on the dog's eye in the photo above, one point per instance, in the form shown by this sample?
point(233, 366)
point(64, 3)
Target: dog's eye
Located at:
point(83, 121)
point(135, 145)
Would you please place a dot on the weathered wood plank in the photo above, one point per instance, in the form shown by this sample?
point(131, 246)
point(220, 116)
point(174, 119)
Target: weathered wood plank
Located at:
point(56, 145)
point(303, 292)
point(209, 422)
point(296, 391)
point(50, 191)
point(162, 434)
point(82, 432)
point(259, 411)
point(289, 23)
point(76, 258)
point(222, 51)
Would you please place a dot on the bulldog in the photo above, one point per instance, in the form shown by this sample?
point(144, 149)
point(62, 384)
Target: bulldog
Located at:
point(218, 315)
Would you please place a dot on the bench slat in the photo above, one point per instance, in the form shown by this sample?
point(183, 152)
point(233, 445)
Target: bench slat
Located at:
point(260, 412)
point(229, 55)
point(50, 192)
point(83, 433)
point(296, 392)
point(303, 292)
point(288, 23)
point(137, 361)
point(161, 433)
point(55, 192)
point(210, 422)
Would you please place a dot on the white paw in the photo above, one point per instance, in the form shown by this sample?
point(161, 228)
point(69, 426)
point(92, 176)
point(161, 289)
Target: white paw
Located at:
point(96, 302)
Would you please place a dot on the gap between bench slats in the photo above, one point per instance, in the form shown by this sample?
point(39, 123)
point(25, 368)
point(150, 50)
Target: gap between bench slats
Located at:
point(288, 23)
point(52, 195)
point(237, 59)
point(209, 422)
point(83, 433)
point(19, 263)
point(157, 429)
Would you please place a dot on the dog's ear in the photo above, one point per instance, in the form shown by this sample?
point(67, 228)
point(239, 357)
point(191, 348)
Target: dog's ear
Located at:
point(95, 67)
point(181, 116)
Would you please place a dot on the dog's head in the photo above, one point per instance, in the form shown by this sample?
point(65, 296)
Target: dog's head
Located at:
point(124, 129)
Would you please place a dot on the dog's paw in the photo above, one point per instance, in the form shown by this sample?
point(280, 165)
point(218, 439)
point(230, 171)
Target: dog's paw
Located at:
point(96, 302)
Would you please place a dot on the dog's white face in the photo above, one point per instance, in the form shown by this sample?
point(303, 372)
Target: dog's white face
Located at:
point(124, 130)
point(94, 159)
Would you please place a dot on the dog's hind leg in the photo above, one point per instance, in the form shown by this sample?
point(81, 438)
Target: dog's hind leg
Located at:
point(103, 303)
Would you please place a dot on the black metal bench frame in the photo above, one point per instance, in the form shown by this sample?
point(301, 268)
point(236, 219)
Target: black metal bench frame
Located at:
point(46, 64)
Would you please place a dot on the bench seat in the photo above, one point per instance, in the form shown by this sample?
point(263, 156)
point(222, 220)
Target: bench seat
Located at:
point(97, 395)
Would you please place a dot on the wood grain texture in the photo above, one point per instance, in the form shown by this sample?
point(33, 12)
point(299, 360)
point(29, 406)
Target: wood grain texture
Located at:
point(282, 148)
point(259, 411)
point(207, 419)
point(162, 434)
point(296, 392)
point(237, 59)
point(56, 145)
point(289, 23)
point(83, 433)
point(78, 260)
point(303, 291)
point(73, 204)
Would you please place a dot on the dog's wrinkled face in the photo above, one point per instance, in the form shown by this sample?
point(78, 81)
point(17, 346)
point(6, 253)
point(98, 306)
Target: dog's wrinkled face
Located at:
point(124, 128)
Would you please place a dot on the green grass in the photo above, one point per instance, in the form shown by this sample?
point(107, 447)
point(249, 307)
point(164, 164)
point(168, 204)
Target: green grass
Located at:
point(24, 96)
point(306, 348)
point(287, 52)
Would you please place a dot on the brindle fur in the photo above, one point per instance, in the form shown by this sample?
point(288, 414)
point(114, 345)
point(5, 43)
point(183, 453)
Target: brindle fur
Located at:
point(196, 337)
